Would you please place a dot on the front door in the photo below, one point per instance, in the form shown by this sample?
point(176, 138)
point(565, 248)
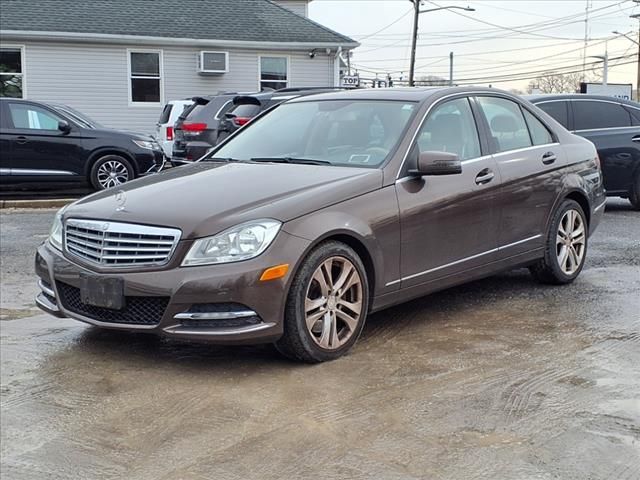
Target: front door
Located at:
point(449, 224)
point(39, 150)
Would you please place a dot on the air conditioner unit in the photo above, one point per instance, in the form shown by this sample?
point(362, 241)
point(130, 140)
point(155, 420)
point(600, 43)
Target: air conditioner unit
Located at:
point(211, 63)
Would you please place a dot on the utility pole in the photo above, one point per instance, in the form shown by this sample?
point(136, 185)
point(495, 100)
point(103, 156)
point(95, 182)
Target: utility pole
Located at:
point(637, 17)
point(451, 69)
point(414, 38)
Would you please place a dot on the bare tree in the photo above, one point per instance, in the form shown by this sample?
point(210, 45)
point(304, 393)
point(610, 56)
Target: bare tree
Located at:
point(556, 83)
point(431, 81)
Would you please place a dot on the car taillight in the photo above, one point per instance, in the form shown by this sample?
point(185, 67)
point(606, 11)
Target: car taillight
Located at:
point(240, 121)
point(169, 133)
point(194, 127)
point(598, 163)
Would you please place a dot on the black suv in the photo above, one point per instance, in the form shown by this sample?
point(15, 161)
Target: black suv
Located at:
point(613, 125)
point(55, 144)
point(211, 119)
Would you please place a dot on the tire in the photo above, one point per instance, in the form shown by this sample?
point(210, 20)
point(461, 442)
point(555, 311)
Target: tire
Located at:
point(333, 327)
point(634, 194)
point(565, 247)
point(101, 176)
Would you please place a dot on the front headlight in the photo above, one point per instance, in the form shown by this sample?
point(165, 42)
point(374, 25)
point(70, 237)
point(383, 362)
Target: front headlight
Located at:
point(148, 144)
point(55, 234)
point(238, 243)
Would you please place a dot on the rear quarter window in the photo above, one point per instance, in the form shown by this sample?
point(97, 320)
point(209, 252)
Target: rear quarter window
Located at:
point(247, 110)
point(588, 115)
point(166, 113)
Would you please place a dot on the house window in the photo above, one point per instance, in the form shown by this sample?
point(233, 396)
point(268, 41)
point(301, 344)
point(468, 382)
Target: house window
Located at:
point(11, 72)
point(145, 77)
point(273, 72)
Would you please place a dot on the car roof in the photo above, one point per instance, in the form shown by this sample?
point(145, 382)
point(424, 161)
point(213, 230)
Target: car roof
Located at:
point(578, 96)
point(406, 94)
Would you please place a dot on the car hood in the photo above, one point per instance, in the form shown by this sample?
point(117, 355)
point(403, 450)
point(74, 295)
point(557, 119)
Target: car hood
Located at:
point(207, 197)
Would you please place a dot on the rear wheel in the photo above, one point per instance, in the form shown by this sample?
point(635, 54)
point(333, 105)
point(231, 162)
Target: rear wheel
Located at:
point(634, 195)
point(566, 246)
point(110, 171)
point(326, 306)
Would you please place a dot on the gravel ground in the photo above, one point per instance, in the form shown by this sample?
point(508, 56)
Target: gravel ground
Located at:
point(499, 379)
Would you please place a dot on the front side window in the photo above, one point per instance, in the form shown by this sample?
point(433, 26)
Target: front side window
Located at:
point(451, 128)
point(11, 73)
point(30, 117)
point(145, 77)
point(540, 134)
point(593, 115)
point(356, 133)
point(273, 73)
point(506, 123)
point(557, 110)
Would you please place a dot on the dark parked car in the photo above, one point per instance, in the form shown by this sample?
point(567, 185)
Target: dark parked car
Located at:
point(55, 144)
point(324, 209)
point(613, 125)
point(196, 130)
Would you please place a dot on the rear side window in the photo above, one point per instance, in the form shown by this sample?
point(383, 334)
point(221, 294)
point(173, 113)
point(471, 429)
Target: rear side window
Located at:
point(557, 110)
point(166, 113)
point(635, 115)
point(593, 115)
point(506, 123)
point(540, 134)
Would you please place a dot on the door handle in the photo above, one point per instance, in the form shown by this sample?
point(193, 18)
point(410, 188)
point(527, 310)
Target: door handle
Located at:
point(635, 139)
point(548, 158)
point(485, 176)
point(21, 140)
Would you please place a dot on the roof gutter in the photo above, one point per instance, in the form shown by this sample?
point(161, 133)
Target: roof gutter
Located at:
point(76, 37)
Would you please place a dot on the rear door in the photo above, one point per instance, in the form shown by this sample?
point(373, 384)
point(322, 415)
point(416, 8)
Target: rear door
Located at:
point(449, 224)
point(39, 150)
point(609, 126)
point(530, 160)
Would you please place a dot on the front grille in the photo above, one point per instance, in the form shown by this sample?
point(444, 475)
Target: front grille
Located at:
point(137, 311)
point(112, 244)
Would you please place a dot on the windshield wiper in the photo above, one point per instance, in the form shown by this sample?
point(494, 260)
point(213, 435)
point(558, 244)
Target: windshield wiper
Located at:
point(222, 159)
point(303, 161)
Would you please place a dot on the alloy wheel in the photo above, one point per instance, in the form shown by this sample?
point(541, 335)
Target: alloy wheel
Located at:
point(112, 173)
point(570, 242)
point(334, 303)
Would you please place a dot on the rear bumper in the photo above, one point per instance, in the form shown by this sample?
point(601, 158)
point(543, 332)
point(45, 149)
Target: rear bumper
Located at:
point(222, 304)
point(596, 215)
point(189, 152)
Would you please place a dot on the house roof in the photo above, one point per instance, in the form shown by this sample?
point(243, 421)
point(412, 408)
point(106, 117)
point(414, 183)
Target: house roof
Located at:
point(220, 20)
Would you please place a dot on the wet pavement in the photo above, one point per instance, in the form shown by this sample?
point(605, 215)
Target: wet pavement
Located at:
point(499, 379)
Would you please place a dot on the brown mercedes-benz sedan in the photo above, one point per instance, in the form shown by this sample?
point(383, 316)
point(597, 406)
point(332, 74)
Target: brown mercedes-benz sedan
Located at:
point(325, 209)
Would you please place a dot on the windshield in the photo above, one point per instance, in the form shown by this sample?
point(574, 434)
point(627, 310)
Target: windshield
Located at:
point(80, 118)
point(358, 133)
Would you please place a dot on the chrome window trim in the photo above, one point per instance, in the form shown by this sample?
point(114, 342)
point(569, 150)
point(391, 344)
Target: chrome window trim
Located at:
point(518, 150)
point(605, 128)
point(127, 228)
point(466, 259)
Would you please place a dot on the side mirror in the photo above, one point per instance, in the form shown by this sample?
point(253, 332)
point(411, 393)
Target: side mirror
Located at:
point(437, 163)
point(64, 127)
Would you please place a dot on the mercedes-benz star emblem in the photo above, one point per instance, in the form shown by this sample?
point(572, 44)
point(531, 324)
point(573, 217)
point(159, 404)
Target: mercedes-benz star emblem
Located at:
point(121, 199)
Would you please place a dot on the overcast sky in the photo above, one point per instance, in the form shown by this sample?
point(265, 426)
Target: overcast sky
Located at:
point(529, 36)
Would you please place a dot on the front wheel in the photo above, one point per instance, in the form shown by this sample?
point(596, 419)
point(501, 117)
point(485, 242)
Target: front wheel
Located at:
point(110, 171)
point(566, 246)
point(326, 306)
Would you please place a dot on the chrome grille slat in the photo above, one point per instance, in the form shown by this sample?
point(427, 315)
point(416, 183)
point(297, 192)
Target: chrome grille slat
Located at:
point(114, 244)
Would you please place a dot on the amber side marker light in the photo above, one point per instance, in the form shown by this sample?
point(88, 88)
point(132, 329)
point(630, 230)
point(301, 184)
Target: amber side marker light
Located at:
point(274, 273)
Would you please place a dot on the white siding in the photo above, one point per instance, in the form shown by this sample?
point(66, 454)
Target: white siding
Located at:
point(298, 6)
point(93, 78)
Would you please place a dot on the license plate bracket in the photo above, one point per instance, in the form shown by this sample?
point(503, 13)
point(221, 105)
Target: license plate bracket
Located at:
point(105, 292)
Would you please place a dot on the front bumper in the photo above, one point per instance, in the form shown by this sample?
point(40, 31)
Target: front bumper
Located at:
point(223, 304)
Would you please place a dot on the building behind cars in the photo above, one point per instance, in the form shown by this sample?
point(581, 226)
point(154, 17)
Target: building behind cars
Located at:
point(613, 125)
point(121, 61)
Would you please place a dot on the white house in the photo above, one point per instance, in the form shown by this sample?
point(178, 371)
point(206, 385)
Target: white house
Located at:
point(119, 61)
